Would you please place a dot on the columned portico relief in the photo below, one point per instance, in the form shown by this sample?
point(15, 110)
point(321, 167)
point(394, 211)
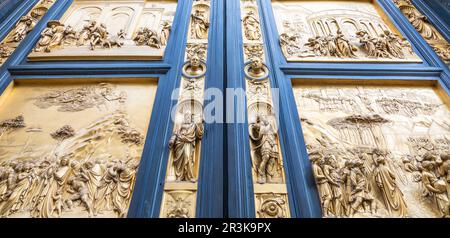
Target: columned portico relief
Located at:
point(108, 30)
point(377, 151)
point(339, 31)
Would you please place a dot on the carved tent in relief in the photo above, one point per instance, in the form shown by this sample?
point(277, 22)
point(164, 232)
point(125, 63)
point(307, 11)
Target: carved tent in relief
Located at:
point(377, 151)
point(340, 31)
point(129, 30)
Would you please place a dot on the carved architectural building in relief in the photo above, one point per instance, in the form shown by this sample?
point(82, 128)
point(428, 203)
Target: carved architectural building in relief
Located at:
point(425, 28)
point(338, 31)
point(136, 29)
point(22, 28)
point(377, 151)
point(84, 163)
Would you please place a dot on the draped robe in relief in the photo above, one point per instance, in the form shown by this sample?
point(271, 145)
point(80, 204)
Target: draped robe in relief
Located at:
point(184, 150)
point(392, 195)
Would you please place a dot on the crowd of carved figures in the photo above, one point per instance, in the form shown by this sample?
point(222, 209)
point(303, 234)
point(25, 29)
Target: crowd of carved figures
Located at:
point(425, 28)
point(72, 178)
point(24, 26)
point(386, 45)
point(95, 34)
point(359, 171)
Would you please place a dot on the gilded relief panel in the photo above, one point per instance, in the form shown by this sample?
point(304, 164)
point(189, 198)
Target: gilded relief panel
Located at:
point(181, 183)
point(268, 173)
point(339, 31)
point(108, 30)
point(71, 149)
point(425, 28)
point(378, 151)
point(24, 26)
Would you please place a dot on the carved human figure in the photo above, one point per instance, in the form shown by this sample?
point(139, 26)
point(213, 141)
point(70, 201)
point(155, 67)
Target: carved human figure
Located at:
point(199, 25)
point(264, 136)
point(436, 187)
point(59, 203)
point(85, 33)
point(368, 42)
point(183, 144)
point(70, 36)
point(420, 22)
point(251, 26)
point(121, 196)
point(332, 47)
point(386, 182)
point(179, 209)
point(319, 46)
point(108, 185)
point(394, 45)
point(99, 35)
point(147, 36)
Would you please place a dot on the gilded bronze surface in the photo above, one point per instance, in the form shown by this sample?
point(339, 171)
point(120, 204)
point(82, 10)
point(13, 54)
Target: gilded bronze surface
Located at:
point(339, 31)
point(108, 30)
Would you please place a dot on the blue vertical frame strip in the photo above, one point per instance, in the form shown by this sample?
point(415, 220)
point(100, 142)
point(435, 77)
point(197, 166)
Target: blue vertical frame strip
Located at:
point(210, 183)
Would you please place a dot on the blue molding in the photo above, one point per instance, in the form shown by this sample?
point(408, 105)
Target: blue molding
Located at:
point(241, 202)
point(149, 187)
point(211, 183)
point(7, 7)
